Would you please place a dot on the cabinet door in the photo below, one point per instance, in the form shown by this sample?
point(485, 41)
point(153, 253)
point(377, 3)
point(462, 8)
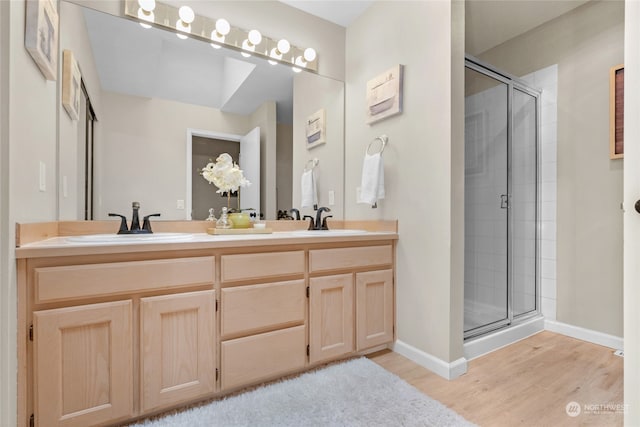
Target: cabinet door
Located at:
point(331, 327)
point(177, 348)
point(83, 364)
point(374, 308)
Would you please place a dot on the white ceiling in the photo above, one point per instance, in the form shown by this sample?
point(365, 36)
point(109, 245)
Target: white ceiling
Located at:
point(341, 12)
point(489, 23)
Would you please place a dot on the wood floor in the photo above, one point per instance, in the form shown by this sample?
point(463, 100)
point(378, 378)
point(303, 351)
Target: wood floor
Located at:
point(528, 383)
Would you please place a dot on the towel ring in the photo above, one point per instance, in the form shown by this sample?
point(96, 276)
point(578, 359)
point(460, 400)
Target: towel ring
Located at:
point(314, 163)
point(383, 140)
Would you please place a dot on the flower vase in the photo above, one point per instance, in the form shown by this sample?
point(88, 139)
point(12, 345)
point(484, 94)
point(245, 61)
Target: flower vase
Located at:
point(224, 221)
point(240, 219)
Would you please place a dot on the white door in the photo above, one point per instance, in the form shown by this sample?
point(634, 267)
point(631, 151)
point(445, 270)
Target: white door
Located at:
point(250, 165)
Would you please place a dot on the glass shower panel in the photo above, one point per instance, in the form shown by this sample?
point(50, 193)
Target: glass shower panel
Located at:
point(523, 202)
point(486, 131)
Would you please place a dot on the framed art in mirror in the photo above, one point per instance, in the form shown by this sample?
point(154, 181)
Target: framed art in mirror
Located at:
point(41, 36)
point(616, 112)
point(316, 129)
point(70, 84)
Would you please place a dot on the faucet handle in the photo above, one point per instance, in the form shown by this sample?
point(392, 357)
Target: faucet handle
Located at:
point(324, 222)
point(146, 224)
point(311, 223)
point(123, 223)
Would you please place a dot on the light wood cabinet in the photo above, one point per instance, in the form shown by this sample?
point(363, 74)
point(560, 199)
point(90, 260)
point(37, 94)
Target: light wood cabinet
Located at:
point(123, 334)
point(177, 348)
point(331, 324)
point(259, 357)
point(374, 308)
point(83, 364)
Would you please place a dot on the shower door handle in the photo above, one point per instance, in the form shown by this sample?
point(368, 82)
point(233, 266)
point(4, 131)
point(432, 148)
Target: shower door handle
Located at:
point(504, 201)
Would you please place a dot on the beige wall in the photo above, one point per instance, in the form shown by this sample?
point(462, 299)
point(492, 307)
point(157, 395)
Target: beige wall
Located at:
point(311, 93)
point(71, 132)
point(265, 118)
point(422, 160)
point(631, 218)
point(140, 162)
point(584, 43)
point(284, 156)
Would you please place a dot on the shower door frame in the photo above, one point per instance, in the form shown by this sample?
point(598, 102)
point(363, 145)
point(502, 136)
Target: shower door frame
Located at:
point(513, 83)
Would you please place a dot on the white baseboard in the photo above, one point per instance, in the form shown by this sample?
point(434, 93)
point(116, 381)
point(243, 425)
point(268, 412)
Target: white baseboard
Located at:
point(446, 370)
point(583, 334)
point(484, 344)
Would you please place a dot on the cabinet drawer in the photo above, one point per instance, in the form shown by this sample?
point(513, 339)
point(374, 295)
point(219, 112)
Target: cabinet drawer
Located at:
point(259, 357)
point(261, 266)
point(338, 258)
point(256, 308)
point(91, 280)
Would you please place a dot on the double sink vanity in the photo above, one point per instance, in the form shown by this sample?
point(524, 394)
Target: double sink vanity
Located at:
point(117, 327)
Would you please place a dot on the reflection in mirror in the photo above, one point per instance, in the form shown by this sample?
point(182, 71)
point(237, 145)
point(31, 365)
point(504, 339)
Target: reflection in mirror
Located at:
point(149, 89)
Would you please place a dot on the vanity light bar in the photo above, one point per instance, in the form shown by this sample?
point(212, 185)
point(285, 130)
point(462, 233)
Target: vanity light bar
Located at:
point(165, 16)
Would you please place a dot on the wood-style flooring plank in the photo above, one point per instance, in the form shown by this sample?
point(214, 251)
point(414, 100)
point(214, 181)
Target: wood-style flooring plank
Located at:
point(528, 383)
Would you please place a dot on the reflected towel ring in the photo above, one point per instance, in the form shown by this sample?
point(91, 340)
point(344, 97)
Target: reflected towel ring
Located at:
point(383, 139)
point(314, 163)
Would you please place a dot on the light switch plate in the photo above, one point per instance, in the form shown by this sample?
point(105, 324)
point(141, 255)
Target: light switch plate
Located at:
point(180, 204)
point(332, 198)
point(43, 177)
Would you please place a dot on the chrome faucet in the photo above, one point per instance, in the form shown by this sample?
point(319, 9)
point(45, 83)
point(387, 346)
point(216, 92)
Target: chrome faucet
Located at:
point(135, 222)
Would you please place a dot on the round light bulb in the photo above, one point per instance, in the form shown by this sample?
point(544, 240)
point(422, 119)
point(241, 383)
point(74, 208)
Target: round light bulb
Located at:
point(147, 5)
point(145, 16)
point(284, 46)
point(300, 62)
point(223, 27)
point(182, 27)
point(309, 54)
point(186, 14)
point(246, 45)
point(255, 37)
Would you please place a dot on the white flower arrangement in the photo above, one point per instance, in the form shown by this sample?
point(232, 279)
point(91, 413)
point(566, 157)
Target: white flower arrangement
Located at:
point(225, 174)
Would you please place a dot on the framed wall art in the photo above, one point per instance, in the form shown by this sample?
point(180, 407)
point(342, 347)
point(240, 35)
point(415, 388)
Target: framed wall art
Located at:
point(315, 129)
point(384, 95)
point(41, 35)
point(71, 89)
point(616, 112)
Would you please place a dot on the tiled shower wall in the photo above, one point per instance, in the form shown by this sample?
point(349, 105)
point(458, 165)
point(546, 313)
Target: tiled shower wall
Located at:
point(485, 180)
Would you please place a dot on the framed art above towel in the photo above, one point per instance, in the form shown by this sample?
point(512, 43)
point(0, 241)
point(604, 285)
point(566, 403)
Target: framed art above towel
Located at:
point(384, 94)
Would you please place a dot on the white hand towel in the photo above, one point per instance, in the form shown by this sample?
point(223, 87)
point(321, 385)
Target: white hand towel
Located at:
point(309, 190)
point(372, 184)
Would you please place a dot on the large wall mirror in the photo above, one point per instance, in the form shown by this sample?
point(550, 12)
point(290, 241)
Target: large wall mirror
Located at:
point(164, 106)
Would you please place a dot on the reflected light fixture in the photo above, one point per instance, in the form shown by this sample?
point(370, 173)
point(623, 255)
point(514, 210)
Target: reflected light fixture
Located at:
point(300, 63)
point(219, 33)
point(145, 12)
point(281, 48)
point(253, 39)
point(183, 24)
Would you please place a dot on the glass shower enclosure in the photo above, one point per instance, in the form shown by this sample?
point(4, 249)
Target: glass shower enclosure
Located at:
point(501, 193)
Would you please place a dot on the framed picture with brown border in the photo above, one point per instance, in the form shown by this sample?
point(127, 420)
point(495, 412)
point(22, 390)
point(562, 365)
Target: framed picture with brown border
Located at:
point(616, 112)
point(41, 36)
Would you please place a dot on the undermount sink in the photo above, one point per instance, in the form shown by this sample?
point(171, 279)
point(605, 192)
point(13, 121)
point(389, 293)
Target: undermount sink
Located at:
point(335, 232)
point(131, 238)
